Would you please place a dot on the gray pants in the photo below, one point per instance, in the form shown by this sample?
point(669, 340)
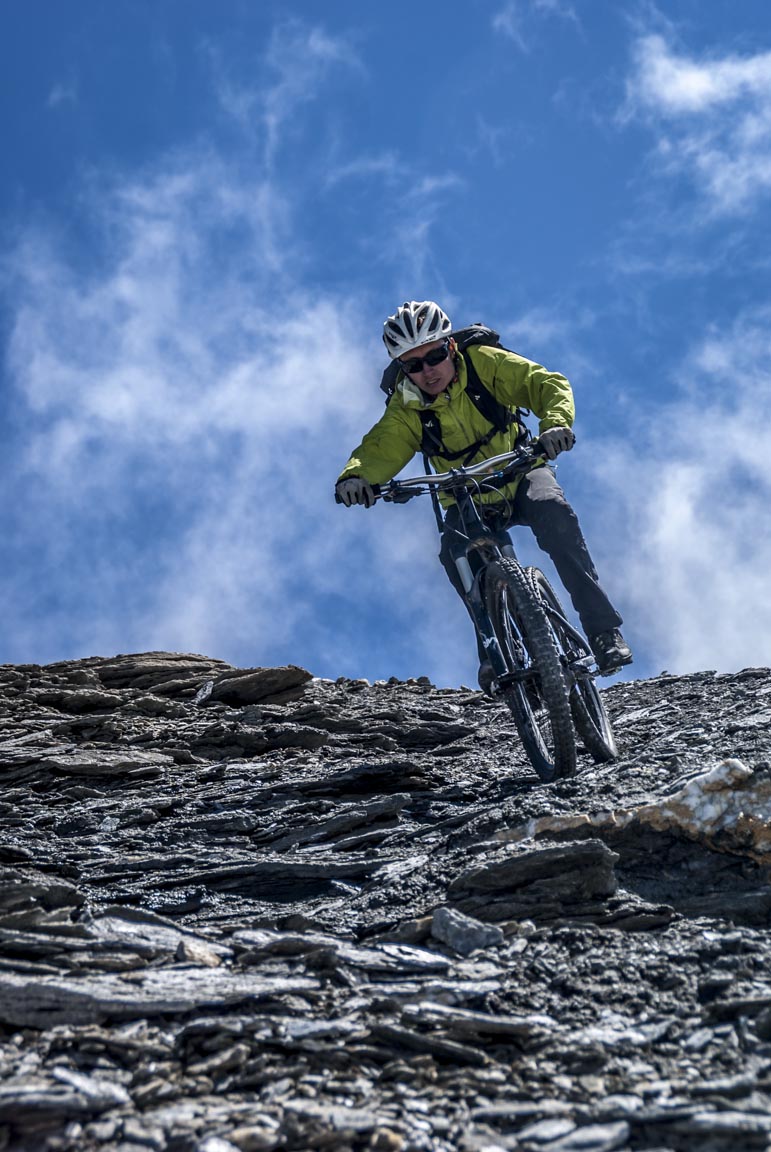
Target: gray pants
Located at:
point(540, 504)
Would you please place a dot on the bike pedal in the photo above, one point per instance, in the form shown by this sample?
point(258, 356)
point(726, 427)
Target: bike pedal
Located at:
point(604, 672)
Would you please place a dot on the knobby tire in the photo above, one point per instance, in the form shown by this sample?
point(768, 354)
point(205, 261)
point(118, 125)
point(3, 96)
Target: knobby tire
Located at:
point(539, 704)
point(589, 715)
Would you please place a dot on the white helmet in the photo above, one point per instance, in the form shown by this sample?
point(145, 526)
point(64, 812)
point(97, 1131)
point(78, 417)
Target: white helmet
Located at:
point(417, 322)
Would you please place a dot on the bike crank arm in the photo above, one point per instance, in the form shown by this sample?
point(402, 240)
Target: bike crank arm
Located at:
point(522, 676)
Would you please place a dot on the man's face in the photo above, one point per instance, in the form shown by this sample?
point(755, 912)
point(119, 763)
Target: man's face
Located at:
point(432, 378)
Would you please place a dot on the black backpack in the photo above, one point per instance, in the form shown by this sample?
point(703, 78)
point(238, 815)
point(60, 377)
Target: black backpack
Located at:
point(498, 415)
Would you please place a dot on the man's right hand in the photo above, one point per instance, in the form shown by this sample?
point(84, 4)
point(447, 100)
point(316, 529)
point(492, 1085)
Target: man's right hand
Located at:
point(556, 440)
point(354, 490)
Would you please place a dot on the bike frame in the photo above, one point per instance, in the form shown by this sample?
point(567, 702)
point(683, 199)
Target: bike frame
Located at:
point(475, 545)
point(542, 666)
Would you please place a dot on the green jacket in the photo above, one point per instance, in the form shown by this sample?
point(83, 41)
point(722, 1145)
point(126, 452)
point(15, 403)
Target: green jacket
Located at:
point(513, 380)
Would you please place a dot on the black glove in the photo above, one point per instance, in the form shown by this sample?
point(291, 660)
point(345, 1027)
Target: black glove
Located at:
point(556, 440)
point(354, 490)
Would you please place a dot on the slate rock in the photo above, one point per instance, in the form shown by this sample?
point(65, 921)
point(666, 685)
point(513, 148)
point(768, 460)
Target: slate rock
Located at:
point(149, 670)
point(566, 872)
point(79, 700)
point(100, 762)
point(462, 933)
point(220, 911)
point(261, 686)
point(27, 890)
point(45, 1001)
point(592, 1138)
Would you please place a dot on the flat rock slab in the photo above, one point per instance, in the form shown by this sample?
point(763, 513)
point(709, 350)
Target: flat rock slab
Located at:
point(591, 1138)
point(619, 1033)
point(46, 1001)
point(30, 749)
point(26, 891)
point(334, 1118)
point(385, 957)
point(66, 1094)
point(148, 669)
point(148, 935)
point(99, 762)
point(469, 1023)
point(261, 685)
point(577, 870)
point(79, 700)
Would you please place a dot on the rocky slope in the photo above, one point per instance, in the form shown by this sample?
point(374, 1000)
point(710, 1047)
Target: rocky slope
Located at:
point(250, 909)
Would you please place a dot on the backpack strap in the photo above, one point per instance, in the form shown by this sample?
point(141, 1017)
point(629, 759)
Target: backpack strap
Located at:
point(389, 378)
point(498, 415)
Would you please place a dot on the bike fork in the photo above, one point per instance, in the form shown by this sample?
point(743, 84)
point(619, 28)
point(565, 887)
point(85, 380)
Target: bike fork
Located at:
point(472, 588)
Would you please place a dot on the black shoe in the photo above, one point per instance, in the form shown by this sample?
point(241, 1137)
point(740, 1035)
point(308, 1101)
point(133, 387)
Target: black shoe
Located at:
point(486, 677)
point(611, 651)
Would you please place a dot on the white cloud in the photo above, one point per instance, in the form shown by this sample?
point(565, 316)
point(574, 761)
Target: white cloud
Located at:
point(390, 168)
point(385, 165)
point(509, 21)
point(297, 62)
point(409, 217)
point(683, 529)
point(188, 374)
point(713, 116)
point(181, 411)
point(180, 407)
point(516, 17)
point(538, 325)
point(676, 84)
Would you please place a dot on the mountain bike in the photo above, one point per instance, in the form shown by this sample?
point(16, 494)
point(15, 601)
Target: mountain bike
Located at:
point(543, 666)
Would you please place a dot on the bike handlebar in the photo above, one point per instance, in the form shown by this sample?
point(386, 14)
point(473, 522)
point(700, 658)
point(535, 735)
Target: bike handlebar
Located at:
point(496, 469)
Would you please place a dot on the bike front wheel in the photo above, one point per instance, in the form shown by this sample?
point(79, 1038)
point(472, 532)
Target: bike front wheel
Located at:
point(589, 715)
point(536, 692)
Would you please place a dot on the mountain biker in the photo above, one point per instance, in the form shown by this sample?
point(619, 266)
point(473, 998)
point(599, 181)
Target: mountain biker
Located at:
point(433, 375)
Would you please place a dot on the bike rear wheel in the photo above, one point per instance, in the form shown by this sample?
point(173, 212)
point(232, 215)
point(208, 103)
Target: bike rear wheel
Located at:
point(589, 715)
point(538, 697)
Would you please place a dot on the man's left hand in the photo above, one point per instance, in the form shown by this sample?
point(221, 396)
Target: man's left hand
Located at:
point(556, 440)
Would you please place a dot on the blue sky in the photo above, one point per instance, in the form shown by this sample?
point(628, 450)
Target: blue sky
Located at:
point(207, 212)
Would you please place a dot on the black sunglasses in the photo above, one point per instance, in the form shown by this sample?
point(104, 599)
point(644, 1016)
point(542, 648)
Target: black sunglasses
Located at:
point(417, 364)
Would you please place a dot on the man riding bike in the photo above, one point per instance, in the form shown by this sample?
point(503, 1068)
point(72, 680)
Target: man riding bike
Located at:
point(437, 380)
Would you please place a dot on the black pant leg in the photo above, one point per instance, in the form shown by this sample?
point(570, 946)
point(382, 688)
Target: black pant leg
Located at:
point(540, 504)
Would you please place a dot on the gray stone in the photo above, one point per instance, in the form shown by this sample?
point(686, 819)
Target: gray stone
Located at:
point(592, 1138)
point(100, 762)
point(545, 1131)
point(216, 916)
point(260, 685)
point(462, 933)
point(726, 1125)
point(579, 870)
point(46, 1001)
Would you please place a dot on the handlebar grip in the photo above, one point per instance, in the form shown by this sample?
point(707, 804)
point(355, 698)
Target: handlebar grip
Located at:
point(375, 488)
point(537, 446)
